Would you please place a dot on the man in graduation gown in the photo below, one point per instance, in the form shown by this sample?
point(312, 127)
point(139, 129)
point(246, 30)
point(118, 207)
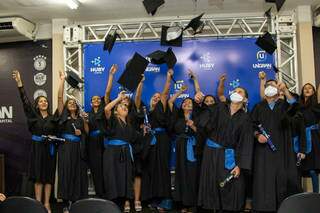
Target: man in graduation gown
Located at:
point(275, 174)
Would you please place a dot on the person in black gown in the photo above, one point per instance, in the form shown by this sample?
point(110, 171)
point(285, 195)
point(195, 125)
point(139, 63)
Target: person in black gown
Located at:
point(275, 174)
point(311, 114)
point(228, 150)
point(156, 183)
point(97, 131)
point(41, 123)
point(118, 154)
point(184, 127)
point(72, 171)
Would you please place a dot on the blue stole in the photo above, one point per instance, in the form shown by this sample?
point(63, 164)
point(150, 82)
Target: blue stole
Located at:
point(41, 139)
point(154, 132)
point(229, 155)
point(71, 138)
point(296, 139)
point(95, 133)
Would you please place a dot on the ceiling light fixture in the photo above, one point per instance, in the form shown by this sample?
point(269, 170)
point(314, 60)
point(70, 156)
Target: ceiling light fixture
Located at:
point(72, 4)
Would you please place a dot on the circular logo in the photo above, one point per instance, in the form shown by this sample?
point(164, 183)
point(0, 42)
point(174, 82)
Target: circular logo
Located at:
point(40, 62)
point(39, 92)
point(40, 79)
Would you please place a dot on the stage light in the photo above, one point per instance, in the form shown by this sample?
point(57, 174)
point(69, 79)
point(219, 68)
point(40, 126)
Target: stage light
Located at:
point(72, 4)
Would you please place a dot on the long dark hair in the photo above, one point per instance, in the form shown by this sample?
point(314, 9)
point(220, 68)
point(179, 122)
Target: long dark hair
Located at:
point(312, 100)
point(116, 115)
point(66, 106)
point(206, 96)
point(36, 102)
point(181, 113)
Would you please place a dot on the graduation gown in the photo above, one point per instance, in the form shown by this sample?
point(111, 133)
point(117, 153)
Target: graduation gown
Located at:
point(97, 131)
point(187, 170)
point(275, 174)
point(156, 182)
point(72, 169)
point(42, 164)
point(228, 131)
point(311, 115)
point(117, 160)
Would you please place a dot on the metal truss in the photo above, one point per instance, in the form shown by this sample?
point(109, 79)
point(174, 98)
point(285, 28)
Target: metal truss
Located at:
point(283, 27)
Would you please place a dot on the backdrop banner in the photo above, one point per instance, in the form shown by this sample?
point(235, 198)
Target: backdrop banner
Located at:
point(239, 58)
point(33, 60)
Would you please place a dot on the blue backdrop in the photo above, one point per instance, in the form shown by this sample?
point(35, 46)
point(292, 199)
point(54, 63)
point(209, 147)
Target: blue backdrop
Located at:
point(239, 58)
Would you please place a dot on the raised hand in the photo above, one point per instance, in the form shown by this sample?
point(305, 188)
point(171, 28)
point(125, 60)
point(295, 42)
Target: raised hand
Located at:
point(223, 77)
point(143, 78)
point(262, 75)
point(113, 69)
point(122, 95)
point(183, 88)
point(16, 76)
point(170, 73)
point(191, 74)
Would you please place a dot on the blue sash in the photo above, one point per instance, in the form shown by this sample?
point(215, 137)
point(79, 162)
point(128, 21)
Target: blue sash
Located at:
point(95, 133)
point(71, 138)
point(229, 155)
point(41, 139)
point(191, 142)
point(296, 140)
point(173, 155)
point(116, 142)
point(154, 132)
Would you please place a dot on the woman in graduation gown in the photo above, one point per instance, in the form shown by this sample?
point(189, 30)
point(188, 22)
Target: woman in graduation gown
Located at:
point(72, 182)
point(310, 109)
point(228, 150)
point(118, 154)
point(183, 124)
point(275, 174)
point(40, 123)
point(97, 130)
point(156, 183)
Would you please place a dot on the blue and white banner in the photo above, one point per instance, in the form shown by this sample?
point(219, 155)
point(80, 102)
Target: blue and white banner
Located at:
point(239, 58)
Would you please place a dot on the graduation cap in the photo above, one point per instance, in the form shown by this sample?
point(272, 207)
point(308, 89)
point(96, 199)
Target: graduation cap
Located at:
point(268, 13)
point(196, 24)
point(110, 40)
point(266, 43)
point(276, 69)
point(152, 5)
point(171, 36)
point(161, 57)
point(73, 79)
point(132, 74)
point(279, 3)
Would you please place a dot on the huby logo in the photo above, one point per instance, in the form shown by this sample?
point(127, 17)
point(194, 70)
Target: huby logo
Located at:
point(6, 114)
point(206, 63)
point(97, 69)
point(234, 84)
point(262, 57)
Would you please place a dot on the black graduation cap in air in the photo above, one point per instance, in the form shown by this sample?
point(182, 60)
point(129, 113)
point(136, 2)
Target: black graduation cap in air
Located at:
point(279, 3)
point(268, 13)
point(152, 5)
point(110, 40)
point(266, 43)
point(196, 24)
point(161, 57)
point(132, 74)
point(171, 36)
point(275, 69)
point(73, 79)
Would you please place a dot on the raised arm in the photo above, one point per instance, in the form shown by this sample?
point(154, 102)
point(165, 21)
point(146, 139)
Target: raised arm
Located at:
point(108, 108)
point(112, 71)
point(137, 99)
point(262, 77)
point(165, 92)
point(195, 81)
point(175, 96)
point(60, 92)
point(282, 87)
point(221, 96)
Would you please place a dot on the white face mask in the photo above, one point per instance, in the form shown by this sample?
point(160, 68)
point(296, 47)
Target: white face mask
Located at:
point(270, 91)
point(236, 97)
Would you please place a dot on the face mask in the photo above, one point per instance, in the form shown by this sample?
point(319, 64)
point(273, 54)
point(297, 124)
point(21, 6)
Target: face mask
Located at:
point(236, 97)
point(270, 91)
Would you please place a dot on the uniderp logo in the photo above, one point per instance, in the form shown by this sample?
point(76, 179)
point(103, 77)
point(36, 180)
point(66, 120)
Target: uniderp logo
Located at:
point(262, 56)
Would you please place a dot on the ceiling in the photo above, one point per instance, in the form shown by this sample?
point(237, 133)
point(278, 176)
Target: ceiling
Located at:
point(90, 10)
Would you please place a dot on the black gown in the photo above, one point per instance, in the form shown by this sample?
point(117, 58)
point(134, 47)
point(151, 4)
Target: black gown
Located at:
point(311, 115)
point(117, 161)
point(72, 170)
point(187, 170)
point(156, 182)
point(275, 175)
point(97, 131)
point(233, 132)
point(42, 163)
